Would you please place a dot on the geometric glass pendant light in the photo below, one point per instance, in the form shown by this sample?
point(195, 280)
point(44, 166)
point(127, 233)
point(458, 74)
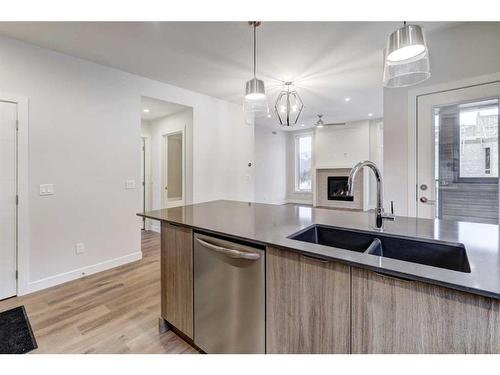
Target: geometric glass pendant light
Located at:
point(406, 57)
point(288, 106)
point(255, 103)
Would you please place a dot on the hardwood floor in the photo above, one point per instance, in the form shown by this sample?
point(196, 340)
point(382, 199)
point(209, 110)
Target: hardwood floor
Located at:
point(115, 311)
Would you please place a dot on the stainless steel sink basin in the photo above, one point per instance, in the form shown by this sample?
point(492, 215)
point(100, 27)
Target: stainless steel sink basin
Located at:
point(446, 255)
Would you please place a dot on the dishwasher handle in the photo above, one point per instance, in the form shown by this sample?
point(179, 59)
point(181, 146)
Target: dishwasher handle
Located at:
point(232, 253)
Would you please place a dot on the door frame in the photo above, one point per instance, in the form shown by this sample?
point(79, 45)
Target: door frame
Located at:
point(143, 179)
point(147, 170)
point(413, 96)
point(23, 224)
point(164, 165)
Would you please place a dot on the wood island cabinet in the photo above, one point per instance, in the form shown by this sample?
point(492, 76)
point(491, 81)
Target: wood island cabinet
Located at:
point(391, 315)
point(177, 277)
point(318, 306)
point(308, 308)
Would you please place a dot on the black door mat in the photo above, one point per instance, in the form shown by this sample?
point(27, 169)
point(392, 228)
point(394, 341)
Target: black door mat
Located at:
point(16, 335)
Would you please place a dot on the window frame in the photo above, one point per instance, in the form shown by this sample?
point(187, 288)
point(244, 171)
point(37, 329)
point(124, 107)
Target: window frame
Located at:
point(296, 161)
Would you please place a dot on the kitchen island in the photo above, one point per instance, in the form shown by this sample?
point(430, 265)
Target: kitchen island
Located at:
point(324, 299)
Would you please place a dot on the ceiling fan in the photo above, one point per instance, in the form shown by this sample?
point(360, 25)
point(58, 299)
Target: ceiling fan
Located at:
point(320, 123)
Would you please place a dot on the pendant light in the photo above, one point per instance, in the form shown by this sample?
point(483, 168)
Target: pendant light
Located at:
point(406, 57)
point(255, 104)
point(288, 106)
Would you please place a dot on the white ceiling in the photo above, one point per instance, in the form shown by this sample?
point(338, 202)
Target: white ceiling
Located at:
point(329, 61)
point(158, 108)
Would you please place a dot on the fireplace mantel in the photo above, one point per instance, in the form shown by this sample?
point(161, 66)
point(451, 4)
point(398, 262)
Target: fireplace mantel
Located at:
point(337, 166)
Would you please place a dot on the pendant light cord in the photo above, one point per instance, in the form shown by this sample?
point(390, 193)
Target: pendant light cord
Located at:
point(254, 49)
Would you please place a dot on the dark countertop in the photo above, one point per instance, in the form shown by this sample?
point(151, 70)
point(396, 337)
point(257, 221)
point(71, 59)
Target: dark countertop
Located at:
point(272, 224)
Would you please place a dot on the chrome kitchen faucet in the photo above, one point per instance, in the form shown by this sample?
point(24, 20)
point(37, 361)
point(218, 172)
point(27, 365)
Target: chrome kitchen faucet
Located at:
point(379, 211)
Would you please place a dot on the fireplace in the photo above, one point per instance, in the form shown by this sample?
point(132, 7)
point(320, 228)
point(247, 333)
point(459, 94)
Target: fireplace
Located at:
point(337, 188)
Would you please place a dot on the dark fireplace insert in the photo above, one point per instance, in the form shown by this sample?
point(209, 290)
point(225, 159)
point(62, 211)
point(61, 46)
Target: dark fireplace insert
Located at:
point(337, 189)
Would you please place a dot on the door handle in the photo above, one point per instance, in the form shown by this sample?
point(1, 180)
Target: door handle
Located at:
point(427, 200)
point(232, 253)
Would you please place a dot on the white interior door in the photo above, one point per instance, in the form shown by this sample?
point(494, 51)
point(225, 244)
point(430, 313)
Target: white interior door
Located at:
point(457, 154)
point(8, 207)
point(173, 170)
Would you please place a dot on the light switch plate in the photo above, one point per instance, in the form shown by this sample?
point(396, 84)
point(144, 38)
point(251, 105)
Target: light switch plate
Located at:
point(130, 184)
point(46, 189)
point(80, 248)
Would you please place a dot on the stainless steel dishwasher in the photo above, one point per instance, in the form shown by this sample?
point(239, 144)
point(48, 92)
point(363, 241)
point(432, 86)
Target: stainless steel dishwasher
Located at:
point(229, 296)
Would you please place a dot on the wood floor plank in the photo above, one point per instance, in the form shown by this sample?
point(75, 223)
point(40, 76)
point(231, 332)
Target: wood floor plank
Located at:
point(115, 311)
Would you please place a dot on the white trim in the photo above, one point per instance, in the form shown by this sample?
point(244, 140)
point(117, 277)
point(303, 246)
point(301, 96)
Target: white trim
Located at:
point(23, 224)
point(299, 201)
point(176, 199)
point(148, 186)
point(333, 166)
point(64, 277)
point(412, 126)
point(279, 203)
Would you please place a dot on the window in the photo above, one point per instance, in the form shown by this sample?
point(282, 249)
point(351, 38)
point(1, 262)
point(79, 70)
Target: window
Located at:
point(303, 163)
point(479, 140)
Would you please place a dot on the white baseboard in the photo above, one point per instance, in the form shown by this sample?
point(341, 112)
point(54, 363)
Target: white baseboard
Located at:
point(299, 201)
point(279, 202)
point(64, 277)
point(273, 202)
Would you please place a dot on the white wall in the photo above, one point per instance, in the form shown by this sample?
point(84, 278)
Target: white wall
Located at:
point(84, 137)
point(467, 50)
point(270, 165)
point(376, 156)
point(342, 146)
point(223, 146)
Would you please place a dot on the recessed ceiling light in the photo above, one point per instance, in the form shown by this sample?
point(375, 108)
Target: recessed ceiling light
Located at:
point(268, 115)
point(347, 99)
point(370, 114)
point(302, 125)
point(145, 110)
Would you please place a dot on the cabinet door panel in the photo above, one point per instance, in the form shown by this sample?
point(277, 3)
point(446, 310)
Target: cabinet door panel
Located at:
point(307, 304)
point(283, 303)
point(398, 316)
point(177, 277)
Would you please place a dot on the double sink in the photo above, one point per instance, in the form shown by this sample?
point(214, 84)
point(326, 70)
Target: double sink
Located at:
point(451, 256)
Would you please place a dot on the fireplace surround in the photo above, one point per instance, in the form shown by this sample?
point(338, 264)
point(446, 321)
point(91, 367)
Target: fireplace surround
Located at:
point(321, 188)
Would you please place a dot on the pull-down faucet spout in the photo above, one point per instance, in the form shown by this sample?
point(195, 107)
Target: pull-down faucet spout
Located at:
point(379, 211)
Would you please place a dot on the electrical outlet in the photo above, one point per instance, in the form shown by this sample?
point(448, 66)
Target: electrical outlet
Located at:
point(130, 184)
point(80, 248)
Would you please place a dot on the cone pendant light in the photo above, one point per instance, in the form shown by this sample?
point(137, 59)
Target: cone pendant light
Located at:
point(255, 103)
